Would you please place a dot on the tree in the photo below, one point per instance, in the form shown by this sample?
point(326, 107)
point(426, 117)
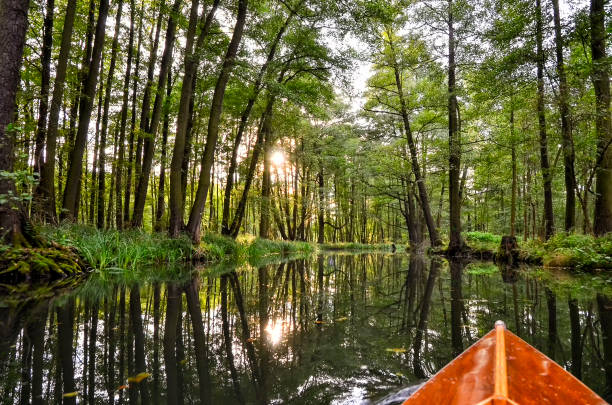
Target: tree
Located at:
point(13, 25)
point(46, 188)
point(73, 180)
point(600, 75)
point(195, 217)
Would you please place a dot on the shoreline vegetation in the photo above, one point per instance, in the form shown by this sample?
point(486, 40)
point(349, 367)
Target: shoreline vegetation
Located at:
point(112, 251)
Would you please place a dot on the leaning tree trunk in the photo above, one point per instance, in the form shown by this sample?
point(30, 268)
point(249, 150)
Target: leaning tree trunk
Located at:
point(257, 86)
point(73, 181)
point(566, 130)
point(46, 186)
point(423, 196)
point(179, 157)
point(549, 223)
point(195, 217)
point(13, 26)
point(601, 82)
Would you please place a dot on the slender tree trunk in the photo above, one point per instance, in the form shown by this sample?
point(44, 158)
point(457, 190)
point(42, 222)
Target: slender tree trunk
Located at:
point(195, 218)
point(151, 129)
point(321, 217)
point(454, 144)
point(185, 113)
point(159, 213)
point(13, 26)
point(257, 86)
point(566, 130)
point(44, 86)
point(75, 170)
point(123, 122)
point(602, 221)
point(266, 183)
point(514, 177)
point(423, 196)
point(549, 221)
point(46, 186)
point(107, 97)
point(131, 157)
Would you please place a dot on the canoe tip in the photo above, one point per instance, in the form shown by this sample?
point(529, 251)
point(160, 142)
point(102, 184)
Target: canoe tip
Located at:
point(500, 323)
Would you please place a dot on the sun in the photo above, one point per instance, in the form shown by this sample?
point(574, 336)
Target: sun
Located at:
point(278, 158)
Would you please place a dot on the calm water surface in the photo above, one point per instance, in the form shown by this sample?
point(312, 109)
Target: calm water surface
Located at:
point(339, 329)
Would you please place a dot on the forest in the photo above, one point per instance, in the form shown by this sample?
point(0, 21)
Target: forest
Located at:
point(344, 121)
point(299, 201)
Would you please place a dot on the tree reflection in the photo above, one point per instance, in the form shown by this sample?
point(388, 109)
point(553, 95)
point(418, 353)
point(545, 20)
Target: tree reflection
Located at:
point(304, 331)
point(425, 305)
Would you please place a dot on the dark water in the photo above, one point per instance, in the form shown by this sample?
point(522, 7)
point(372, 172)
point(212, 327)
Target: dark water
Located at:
point(342, 329)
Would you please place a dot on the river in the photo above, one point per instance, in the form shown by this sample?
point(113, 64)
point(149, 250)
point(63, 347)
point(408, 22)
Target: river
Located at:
point(331, 329)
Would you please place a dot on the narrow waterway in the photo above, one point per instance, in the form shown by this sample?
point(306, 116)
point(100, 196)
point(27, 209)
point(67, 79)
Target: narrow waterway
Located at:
point(339, 328)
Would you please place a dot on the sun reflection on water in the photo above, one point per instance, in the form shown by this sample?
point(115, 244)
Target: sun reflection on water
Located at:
point(275, 331)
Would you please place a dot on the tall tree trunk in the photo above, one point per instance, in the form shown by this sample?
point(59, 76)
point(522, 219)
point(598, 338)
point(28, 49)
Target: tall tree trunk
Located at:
point(321, 218)
point(179, 155)
point(549, 221)
point(455, 243)
point(13, 26)
point(107, 97)
point(151, 129)
point(514, 176)
point(159, 213)
point(434, 237)
point(123, 121)
point(257, 86)
point(566, 130)
point(44, 86)
point(75, 170)
point(145, 102)
point(195, 218)
point(46, 186)
point(266, 182)
point(602, 220)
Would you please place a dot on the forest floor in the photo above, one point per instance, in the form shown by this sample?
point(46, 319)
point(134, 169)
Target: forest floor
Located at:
point(580, 252)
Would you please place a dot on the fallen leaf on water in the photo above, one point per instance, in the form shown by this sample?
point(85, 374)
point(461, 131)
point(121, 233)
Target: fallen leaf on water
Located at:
point(122, 387)
point(183, 362)
point(70, 394)
point(319, 322)
point(138, 377)
point(396, 350)
point(251, 340)
point(342, 319)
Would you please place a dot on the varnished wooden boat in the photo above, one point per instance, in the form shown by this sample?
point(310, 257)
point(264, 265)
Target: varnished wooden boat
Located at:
point(501, 368)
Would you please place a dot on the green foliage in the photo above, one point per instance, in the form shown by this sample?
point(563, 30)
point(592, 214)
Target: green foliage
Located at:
point(111, 250)
point(482, 268)
point(352, 246)
point(482, 241)
point(583, 252)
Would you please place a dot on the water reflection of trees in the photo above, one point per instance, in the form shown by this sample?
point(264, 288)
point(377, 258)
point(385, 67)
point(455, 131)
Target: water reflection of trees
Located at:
point(295, 331)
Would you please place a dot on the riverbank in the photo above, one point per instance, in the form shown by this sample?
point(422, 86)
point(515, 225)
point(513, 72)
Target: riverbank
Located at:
point(114, 251)
point(580, 252)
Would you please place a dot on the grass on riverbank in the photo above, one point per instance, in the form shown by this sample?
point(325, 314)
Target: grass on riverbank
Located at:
point(583, 252)
point(115, 251)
